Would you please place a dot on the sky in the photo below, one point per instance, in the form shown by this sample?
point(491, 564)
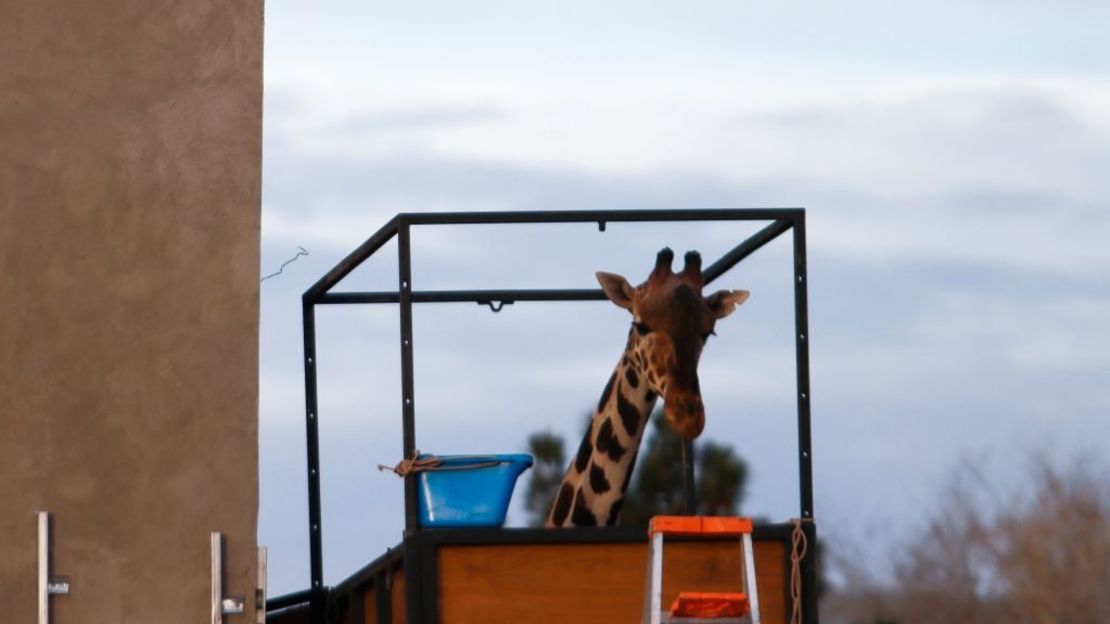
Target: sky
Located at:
point(952, 157)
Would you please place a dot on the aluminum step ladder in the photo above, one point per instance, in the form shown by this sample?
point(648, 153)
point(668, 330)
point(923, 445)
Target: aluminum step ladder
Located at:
point(697, 607)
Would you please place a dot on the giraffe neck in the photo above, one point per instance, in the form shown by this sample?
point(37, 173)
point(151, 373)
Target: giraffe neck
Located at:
point(592, 492)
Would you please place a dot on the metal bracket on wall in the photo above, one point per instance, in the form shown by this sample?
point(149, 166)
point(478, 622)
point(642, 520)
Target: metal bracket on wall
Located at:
point(221, 605)
point(48, 585)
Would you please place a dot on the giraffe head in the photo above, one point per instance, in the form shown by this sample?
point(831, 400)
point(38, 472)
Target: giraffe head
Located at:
point(671, 322)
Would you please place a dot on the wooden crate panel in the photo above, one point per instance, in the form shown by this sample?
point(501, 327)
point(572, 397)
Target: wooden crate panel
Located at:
point(369, 606)
point(559, 583)
point(397, 596)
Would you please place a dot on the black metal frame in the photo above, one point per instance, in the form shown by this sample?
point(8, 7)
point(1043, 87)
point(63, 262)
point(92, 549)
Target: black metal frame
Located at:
point(416, 540)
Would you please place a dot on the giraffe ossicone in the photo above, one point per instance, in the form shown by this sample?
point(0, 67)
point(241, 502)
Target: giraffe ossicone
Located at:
point(671, 322)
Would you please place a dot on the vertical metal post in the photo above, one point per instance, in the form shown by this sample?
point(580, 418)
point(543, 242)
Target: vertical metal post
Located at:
point(809, 576)
point(805, 450)
point(801, 341)
point(217, 594)
point(44, 567)
point(408, 410)
point(413, 560)
point(312, 437)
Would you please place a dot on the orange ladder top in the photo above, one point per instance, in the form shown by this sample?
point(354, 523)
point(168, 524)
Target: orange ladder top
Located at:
point(699, 525)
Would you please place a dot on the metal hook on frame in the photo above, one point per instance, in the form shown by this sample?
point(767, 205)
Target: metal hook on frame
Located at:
point(495, 306)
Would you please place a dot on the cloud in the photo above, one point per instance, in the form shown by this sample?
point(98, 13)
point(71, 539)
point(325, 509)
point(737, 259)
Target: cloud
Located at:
point(429, 118)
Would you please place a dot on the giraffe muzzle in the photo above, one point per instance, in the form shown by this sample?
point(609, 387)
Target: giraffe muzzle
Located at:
point(686, 415)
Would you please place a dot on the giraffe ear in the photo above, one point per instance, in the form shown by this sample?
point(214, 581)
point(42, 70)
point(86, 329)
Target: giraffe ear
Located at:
point(723, 302)
point(616, 289)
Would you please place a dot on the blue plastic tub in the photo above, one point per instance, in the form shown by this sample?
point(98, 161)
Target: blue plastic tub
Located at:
point(468, 497)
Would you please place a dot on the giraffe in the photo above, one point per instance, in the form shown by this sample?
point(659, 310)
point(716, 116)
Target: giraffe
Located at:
point(671, 322)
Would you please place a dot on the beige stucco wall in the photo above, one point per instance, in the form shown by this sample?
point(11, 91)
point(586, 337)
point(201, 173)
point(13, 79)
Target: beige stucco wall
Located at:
point(130, 136)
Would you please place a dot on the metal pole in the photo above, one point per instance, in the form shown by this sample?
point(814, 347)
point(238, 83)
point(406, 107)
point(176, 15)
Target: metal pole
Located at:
point(408, 409)
point(312, 438)
point(44, 567)
point(413, 561)
point(595, 216)
point(801, 341)
point(809, 576)
point(805, 450)
point(217, 594)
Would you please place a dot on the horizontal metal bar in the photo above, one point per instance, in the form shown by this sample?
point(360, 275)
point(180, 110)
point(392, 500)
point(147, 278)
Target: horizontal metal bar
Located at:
point(465, 296)
point(753, 244)
point(289, 600)
point(357, 297)
point(353, 259)
point(293, 613)
point(594, 216)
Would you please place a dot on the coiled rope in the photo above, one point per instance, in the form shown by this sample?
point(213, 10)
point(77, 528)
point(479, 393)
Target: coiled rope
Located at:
point(430, 463)
point(799, 547)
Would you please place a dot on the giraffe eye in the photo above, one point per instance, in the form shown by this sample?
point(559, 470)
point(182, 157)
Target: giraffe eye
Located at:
point(640, 328)
point(705, 336)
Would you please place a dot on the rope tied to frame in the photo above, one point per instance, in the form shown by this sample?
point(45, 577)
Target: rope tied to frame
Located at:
point(798, 550)
point(430, 463)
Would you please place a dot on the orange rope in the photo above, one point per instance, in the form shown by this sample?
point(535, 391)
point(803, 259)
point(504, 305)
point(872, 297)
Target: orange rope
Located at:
point(431, 462)
point(799, 547)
